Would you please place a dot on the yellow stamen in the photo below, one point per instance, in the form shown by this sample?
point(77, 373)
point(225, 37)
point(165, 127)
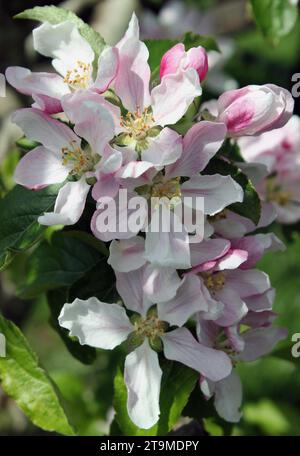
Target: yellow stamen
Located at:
point(80, 76)
point(78, 160)
point(214, 281)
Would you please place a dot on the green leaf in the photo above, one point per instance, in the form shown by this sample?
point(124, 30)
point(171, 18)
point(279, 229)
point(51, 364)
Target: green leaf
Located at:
point(60, 262)
point(26, 144)
point(28, 384)
point(251, 206)
point(275, 18)
point(178, 382)
point(55, 15)
point(19, 228)
point(192, 39)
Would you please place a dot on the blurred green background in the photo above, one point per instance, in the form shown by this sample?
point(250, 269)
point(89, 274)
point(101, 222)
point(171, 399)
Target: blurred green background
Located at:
point(272, 385)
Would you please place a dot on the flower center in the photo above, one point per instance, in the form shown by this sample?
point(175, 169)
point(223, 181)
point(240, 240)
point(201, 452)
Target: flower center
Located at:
point(137, 123)
point(214, 281)
point(169, 189)
point(276, 194)
point(79, 161)
point(80, 76)
point(150, 327)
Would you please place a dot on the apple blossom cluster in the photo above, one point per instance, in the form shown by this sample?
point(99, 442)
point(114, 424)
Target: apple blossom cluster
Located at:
point(197, 301)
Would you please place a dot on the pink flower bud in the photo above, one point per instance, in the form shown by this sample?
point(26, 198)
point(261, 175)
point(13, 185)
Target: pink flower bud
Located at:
point(177, 58)
point(255, 109)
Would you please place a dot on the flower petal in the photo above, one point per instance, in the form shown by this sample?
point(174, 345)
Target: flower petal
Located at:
point(142, 376)
point(260, 342)
point(38, 126)
point(130, 286)
point(127, 255)
point(208, 250)
point(228, 398)
point(108, 64)
point(164, 149)
point(188, 301)
point(218, 191)
point(172, 97)
point(180, 345)
point(63, 43)
point(200, 144)
point(96, 323)
point(40, 167)
point(92, 120)
point(160, 284)
point(69, 204)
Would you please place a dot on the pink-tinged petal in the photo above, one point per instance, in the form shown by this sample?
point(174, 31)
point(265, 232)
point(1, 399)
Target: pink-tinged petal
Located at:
point(78, 105)
point(172, 97)
point(288, 214)
point(218, 191)
point(197, 58)
point(262, 301)
point(111, 160)
point(164, 149)
point(133, 78)
point(259, 319)
point(127, 255)
point(235, 339)
point(208, 249)
point(108, 65)
point(46, 104)
point(188, 301)
point(134, 169)
point(106, 186)
point(69, 205)
point(248, 282)
point(228, 398)
point(232, 260)
point(288, 104)
point(115, 219)
point(142, 376)
point(96, 323)
point(171, 60)
point(38, 126)
point(260, 342)
point(64, 44)
point(234, 308)
point(39, 168)
point(180, 345)
point(257, 245)
point(207, 331)
point(166, 247)
point(200, 144)
point(130, 286)
point(45, 86)
point(255, 109)
point(92, 120)
point(160, 284)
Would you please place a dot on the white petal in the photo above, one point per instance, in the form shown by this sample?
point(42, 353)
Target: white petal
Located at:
point(228, 398)
point(38, 126)
point(167, 248)
point(160, 284)
point(107, 69)
point(143, 377)
point(96, 323)
point(64, 43)
point(180, 345)
point(127, 254)
point(187, 302)
point(218, 191)
point(172, 97)
point(164, 149)
point(40, 167)
point(130, 286)
point(69, 204)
